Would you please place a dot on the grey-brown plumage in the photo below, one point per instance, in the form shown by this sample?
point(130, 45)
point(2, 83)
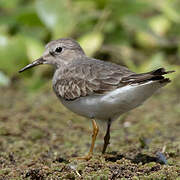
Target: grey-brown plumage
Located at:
point(96, 89)
point(90, 76)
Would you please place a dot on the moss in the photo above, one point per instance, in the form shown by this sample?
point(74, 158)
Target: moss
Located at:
point(39, 138)
point(35, 134)
point(5, 171)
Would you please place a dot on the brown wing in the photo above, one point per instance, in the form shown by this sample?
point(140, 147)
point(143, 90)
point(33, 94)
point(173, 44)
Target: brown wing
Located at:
point(88, 78)
point(98, 77)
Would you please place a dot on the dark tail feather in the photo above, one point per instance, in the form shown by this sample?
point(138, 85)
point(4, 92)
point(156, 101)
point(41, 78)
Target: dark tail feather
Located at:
point(161, 71)
point(150, 76)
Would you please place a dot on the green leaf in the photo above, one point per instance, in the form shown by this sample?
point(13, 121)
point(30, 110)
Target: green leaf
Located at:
point(57, 15)
point(160, 24)
point(91, 42)
point(9, 4)
point(171, 9)
point(122, 8)
point(28, 16)
point(146, 40)
point(12, 54)
point(136, 23)
point(34, 48)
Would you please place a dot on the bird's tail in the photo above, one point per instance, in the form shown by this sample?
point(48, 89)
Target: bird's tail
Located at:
point(156, 75)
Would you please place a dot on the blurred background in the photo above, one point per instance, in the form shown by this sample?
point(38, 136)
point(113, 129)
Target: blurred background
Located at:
point(140, 34)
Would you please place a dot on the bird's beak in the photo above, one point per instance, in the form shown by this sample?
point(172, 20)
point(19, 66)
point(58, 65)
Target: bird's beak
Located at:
point(34, 63)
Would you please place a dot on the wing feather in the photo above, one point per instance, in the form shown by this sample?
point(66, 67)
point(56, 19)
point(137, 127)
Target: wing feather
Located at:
point(89, 78)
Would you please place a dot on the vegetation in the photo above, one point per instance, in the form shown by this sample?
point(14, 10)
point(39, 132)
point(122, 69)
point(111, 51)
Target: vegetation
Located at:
point(39, 137)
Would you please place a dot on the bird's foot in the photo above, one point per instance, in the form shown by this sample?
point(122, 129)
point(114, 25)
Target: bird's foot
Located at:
point(86, 158)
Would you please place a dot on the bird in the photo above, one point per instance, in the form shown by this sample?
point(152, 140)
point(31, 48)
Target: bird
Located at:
point(96, 89)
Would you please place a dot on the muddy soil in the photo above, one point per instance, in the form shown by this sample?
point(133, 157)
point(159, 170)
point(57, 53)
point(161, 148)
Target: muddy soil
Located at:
point(39, 139)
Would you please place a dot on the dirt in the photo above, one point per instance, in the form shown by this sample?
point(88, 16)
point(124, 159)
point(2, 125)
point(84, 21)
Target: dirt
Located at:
point(39, 139)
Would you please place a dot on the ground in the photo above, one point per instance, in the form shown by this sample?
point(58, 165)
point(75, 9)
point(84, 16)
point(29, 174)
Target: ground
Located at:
point(39, 139)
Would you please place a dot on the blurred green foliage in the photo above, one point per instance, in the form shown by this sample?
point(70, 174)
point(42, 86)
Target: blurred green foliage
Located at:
point(141, 34)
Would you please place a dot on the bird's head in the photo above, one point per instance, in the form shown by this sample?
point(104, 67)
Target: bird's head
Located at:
point(58, 53)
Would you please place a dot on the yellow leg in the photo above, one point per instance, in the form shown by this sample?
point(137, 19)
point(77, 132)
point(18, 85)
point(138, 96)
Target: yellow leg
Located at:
point(94, 135)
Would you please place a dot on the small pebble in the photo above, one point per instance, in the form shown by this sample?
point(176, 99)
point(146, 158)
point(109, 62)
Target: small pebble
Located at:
point(161, 157)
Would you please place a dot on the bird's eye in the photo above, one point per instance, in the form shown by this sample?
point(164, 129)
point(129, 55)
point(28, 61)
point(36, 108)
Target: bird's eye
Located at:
point(58, 49)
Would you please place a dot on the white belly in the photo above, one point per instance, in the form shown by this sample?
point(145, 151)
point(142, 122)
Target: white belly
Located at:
point(113, 103)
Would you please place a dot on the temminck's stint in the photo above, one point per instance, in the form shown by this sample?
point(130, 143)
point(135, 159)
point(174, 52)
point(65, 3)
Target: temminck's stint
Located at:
point(96, 89)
